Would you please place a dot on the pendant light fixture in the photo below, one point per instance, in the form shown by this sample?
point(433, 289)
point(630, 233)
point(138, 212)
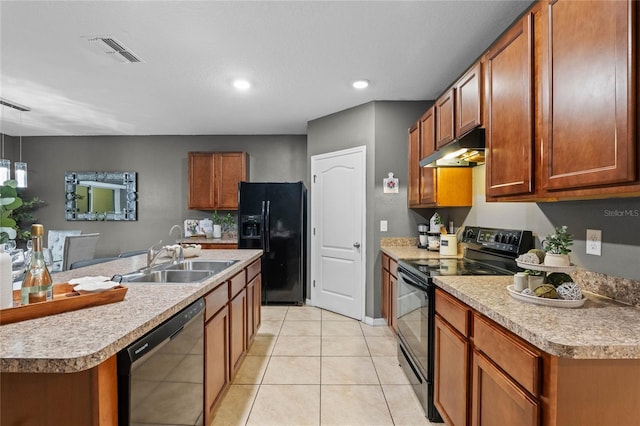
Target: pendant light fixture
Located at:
point(20, 172)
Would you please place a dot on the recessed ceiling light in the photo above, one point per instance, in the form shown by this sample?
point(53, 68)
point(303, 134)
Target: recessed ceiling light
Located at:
point(241, 84)
point(360, 84)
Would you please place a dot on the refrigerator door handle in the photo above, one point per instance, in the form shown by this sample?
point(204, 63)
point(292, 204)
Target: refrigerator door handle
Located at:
point(262, 230)
point(267, 227)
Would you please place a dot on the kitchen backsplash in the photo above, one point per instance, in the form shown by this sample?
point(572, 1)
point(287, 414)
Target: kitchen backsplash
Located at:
point(620, 289)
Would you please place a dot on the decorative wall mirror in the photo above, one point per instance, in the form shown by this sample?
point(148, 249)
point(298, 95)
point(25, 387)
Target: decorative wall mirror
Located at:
point(100, 196)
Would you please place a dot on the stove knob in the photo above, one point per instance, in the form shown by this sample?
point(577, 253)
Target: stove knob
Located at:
point(470, 234)
point(514, 240)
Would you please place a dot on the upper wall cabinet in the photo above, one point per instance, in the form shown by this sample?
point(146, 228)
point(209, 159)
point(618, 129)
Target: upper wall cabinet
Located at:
point(213, 179)
point(589, 109)
point(468, 90)
point(445, 118)
point(509, 101)
point(434, 187)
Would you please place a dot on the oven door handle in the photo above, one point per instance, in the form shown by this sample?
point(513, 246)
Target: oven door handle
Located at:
point(411, 282)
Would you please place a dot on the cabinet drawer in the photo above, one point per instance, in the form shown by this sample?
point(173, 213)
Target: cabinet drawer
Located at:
point(518, 359)
point(216, 299)
point(253, 270)
point(237, 283)
point(453, 311)
point(393, 267)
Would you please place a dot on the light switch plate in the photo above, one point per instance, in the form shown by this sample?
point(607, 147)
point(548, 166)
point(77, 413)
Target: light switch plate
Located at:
point(383, 226)
point(594, 242)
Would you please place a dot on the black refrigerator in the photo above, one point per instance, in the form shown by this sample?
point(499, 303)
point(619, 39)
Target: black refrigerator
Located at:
point(273, 217)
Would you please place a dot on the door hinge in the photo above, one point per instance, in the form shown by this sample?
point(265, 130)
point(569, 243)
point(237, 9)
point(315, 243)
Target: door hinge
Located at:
point(314, 178)
point(314, 231)
point(314, 283)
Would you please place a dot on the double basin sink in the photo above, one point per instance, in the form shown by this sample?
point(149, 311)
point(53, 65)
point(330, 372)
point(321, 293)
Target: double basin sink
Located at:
point(193, 271)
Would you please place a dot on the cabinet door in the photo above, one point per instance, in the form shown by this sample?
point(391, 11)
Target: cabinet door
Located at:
point(253, 308)
point(451, 374)
point(393, 305)
point(230, 169)
point(589, 138)
point(414, 166)
point(201, 176)
point(497, 400)
point(237, 329)
point(445, 118)
point(509, 100)
point(386, 295)
point(427, 146)
point(469, 100)
point(216, 359)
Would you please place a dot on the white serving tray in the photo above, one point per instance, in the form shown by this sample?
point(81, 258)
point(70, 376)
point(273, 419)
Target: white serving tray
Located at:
point(556, 303)
point(546, 268)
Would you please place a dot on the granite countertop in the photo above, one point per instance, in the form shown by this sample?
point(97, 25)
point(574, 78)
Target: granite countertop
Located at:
point(413, 252)
point(601, 329)
point(203, 240)
point(79, 340)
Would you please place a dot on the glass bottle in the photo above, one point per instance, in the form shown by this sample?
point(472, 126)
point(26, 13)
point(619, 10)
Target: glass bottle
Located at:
point(37, 285)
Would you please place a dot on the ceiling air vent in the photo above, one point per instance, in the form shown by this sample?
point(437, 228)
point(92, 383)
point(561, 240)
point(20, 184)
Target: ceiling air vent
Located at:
point(115, 49)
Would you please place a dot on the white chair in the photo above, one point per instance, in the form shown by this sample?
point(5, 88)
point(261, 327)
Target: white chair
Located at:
point(77, 248)
point(55, 243)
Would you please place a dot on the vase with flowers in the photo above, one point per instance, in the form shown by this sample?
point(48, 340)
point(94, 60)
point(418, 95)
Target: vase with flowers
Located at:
point(556, 247)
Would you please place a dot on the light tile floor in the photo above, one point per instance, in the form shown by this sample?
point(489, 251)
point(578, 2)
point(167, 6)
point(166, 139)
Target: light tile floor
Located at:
point(308, 366)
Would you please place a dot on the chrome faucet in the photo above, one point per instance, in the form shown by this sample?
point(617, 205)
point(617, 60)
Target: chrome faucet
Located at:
point(181, 233)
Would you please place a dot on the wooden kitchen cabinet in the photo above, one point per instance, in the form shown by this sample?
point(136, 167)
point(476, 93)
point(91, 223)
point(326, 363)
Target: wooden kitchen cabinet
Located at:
point(216, 349)
point(434, 187)
point(445, 118)
point(590, 112)
point(207, 246)
point(230, 315)
point(451, 359)
point(509, 129)
point(213, 179)
point(512, 382)
point(468, 90)
point(83, 398)
point(254, 300)
point(483, 374)
point(389, 291)
point(237, 330)
point(413, 190)
point(497, 399)
point(451, 390)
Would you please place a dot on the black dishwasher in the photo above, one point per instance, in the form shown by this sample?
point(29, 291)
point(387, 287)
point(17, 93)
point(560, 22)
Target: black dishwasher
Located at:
point(161, 375)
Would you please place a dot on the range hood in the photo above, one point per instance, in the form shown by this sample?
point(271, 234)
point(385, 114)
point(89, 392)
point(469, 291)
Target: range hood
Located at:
point(466, 151)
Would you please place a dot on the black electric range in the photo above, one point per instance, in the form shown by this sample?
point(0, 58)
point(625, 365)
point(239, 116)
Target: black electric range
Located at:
point(488, 251)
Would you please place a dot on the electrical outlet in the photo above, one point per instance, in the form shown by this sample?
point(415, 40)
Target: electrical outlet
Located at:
point(383, 226)
point(594, 242)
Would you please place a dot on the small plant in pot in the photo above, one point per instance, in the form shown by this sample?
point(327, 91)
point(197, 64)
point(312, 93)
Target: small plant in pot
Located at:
point(556, 247)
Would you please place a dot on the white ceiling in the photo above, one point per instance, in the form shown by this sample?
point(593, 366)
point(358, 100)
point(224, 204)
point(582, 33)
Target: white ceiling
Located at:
point(301, 57)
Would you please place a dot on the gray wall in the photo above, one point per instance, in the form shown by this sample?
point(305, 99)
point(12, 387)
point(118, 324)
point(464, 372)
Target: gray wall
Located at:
point(618, 218)
point(161, 164)
point(382, 128)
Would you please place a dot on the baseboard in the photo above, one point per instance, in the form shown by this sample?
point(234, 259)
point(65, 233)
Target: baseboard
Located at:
point(375, 322)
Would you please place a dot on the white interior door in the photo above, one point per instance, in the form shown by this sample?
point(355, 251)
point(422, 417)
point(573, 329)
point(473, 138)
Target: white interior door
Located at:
point(337, 231)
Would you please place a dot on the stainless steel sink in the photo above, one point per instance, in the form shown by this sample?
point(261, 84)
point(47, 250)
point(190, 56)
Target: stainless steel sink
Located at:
point(169, 276)
point(214, 266)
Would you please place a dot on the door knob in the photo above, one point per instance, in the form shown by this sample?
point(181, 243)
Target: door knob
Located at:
point(356, 245)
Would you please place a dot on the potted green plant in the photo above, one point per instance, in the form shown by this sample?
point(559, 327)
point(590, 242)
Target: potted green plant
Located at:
point(9, 201)
point(217, 224)
point(556, 247)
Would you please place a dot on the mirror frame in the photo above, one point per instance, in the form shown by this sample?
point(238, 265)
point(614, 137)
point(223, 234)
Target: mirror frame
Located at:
point(127, 179)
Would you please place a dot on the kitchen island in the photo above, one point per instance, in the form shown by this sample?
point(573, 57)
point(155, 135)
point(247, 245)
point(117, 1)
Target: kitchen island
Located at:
point(68, 360)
